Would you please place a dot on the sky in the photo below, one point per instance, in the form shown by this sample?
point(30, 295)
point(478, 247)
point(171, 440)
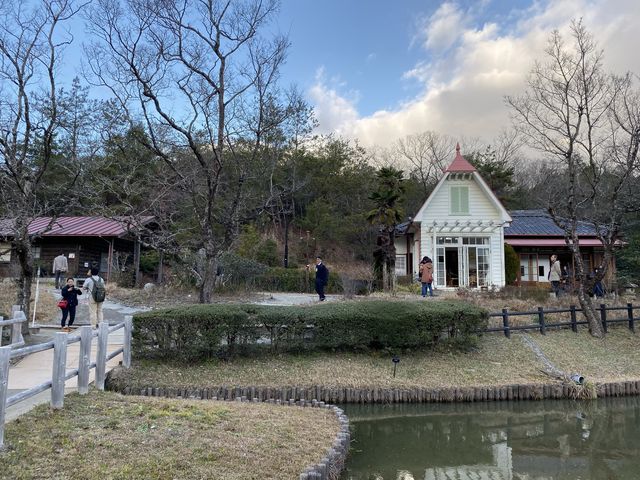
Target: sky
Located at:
point(377, 71)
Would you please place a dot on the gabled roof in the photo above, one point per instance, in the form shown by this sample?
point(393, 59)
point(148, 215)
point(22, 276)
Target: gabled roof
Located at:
point(460, 164)
point(74, 226)
point(539, 222)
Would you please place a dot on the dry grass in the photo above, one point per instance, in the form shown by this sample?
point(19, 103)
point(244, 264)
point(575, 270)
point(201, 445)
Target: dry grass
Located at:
point(47, 304)
point(165, 297)
point(496, 361)
point(614, 358)
point(106, 435)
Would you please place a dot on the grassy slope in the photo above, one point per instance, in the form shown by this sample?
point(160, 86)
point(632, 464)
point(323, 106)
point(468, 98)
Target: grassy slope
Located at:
point(497, 361)
point(106, 435)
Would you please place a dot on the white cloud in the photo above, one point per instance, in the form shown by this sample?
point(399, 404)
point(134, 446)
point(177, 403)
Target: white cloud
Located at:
point(443, 27)
point(463, 91)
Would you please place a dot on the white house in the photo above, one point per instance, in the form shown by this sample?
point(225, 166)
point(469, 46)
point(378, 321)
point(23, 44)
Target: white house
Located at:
point(461, 228)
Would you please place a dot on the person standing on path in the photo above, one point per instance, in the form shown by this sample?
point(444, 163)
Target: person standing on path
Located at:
point(70, 294)
point(426, 276)
point(60, 267)
point(322, 278)
point(95, 286)
point(555, 274)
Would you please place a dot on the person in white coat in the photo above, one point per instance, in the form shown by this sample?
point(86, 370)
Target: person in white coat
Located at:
point(60, 267)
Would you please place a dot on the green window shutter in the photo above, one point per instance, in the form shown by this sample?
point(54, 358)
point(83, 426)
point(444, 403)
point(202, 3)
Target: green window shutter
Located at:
point(464, 199)
point(459, 200)
point(455, 199)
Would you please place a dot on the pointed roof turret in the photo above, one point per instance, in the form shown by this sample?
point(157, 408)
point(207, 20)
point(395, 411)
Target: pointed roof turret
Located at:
point(459, 163)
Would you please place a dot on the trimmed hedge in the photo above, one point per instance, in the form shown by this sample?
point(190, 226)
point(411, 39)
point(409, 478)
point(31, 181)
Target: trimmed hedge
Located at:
point(278, 279)
point(201, 331)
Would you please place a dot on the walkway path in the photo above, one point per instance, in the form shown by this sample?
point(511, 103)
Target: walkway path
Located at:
point(37, 368)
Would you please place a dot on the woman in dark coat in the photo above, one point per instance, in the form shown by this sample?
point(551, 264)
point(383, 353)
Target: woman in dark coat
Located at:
point(70, 294)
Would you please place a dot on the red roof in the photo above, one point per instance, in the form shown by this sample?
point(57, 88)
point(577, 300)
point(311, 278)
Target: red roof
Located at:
point(459, 164)
point(74, 227)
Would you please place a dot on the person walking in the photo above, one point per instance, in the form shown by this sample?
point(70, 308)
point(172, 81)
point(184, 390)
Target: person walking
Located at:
point(426, 276)
point(60, 267)
point(322, 278)
point(70, 294)
point(555, 274)
point(95, 286)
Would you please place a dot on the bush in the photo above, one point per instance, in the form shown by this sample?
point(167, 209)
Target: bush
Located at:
point(200, 331)
point(278, 279)
point(511, 264)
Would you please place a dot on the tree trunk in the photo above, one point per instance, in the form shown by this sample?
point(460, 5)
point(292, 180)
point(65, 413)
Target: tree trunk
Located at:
point(208, 278)
point(25, 277)
point(589, 311)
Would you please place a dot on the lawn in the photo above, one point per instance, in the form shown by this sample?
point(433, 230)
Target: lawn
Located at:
point(496, 361)
point(106, 435)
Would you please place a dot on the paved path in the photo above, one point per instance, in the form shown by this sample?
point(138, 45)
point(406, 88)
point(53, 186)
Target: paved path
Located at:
point(37, 368)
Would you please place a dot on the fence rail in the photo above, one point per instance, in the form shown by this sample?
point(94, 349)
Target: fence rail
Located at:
point(542, 317)
point(60, 373)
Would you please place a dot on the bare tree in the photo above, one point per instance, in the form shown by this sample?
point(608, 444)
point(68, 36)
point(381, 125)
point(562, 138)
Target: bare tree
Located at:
point(199, 76)
point(427, 155)
point(585, 122)
point(30, 47)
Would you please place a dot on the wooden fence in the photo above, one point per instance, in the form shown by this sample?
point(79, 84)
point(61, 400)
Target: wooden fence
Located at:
point(543, 320)
point(59, 368)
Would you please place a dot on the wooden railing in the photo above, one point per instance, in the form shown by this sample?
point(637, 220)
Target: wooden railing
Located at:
point(59, 370)
point(543, 320)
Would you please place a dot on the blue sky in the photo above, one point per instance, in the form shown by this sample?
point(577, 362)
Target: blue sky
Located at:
point(378, 71)
point(366, 46)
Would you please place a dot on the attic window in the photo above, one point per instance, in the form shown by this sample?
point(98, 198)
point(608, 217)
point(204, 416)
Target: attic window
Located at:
point(459, 200)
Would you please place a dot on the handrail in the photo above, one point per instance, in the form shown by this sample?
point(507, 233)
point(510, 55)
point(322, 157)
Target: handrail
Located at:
point(60, 374)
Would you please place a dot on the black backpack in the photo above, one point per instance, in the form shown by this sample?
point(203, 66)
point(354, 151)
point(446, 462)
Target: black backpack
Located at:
point(98, 292)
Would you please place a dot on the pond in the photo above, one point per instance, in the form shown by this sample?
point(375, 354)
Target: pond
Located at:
point(546, 440)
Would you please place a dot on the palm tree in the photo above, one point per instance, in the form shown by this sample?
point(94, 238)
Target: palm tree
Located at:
point(386, 214)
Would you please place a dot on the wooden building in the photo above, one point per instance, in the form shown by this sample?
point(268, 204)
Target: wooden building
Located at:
point(83, 240)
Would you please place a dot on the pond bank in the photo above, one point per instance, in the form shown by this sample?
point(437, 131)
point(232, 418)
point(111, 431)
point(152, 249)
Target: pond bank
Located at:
point(499, 369)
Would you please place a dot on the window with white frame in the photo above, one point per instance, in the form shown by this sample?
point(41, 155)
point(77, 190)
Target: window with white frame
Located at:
point(401, 265)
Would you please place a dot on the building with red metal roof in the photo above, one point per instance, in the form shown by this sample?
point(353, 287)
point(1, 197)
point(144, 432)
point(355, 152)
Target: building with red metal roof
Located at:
point(109, 243)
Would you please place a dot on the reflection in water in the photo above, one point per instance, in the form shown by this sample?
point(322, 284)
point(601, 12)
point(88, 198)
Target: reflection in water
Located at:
point(549, 440)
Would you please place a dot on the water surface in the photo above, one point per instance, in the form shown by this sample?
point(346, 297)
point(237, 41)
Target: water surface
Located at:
point(546, 440)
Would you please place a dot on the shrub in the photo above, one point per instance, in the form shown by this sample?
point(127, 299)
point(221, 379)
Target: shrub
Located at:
point(199, 331)
point(278, 279)
point(511, 264)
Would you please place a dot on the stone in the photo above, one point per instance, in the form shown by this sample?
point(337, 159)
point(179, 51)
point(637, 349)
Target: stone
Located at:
point(149, 286)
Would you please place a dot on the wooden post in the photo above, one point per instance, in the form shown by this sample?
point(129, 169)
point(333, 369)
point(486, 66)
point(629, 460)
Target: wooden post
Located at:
point(505, 322)
point(126, 354)
point(574, 325)
point(632, 326)
point(136, 261)
point(603, 317)
point(101, 355)
point(5, 356)
point(543, 328)
point(159, 278)
point(59, 369)
point(85, 359)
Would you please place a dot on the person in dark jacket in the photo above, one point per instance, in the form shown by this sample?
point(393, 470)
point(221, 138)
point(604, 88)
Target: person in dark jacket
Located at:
point(322, 278)
point(70, 294)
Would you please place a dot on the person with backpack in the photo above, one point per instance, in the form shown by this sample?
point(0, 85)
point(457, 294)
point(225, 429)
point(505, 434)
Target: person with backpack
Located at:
point(97, 293)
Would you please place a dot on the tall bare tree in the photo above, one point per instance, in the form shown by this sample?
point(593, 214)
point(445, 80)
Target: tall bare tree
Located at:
point(199, 75)
point(31, 43)
point(586, 124)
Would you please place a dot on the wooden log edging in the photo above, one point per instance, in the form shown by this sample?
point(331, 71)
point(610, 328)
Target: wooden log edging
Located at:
point(332, 395)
